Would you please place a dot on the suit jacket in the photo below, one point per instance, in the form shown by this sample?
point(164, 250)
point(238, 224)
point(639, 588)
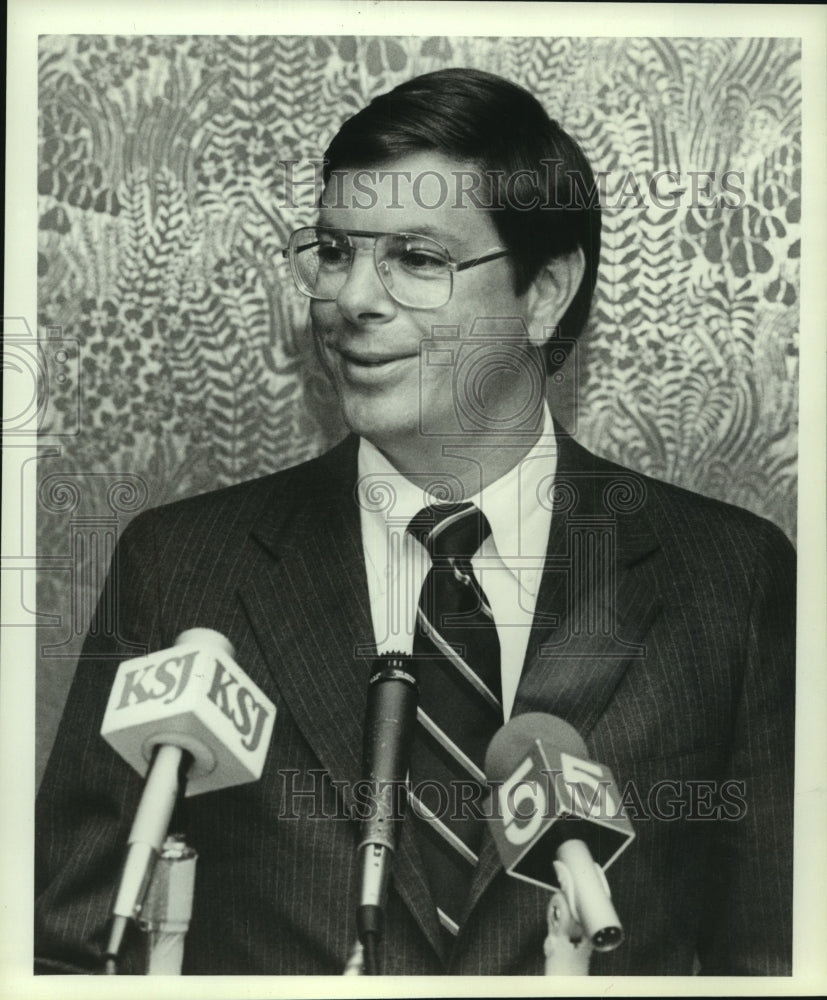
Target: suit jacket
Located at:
point(663, 633)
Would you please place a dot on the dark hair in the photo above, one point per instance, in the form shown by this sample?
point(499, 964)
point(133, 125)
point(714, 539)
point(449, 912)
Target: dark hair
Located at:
point(525, 157)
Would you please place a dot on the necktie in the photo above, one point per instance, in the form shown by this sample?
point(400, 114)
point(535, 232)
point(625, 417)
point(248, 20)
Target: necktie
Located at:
point(460, 708)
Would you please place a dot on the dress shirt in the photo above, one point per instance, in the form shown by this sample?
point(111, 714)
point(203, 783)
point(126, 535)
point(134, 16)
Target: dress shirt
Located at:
point(508, 564)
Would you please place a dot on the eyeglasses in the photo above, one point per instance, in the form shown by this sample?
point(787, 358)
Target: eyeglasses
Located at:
point(417, 271)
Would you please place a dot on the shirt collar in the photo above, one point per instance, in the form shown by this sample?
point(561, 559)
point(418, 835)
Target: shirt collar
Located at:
point(519, 542)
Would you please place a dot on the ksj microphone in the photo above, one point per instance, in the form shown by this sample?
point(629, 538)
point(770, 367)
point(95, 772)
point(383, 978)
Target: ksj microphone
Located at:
point(557, 818)
point(191, 721)
point(390, 721)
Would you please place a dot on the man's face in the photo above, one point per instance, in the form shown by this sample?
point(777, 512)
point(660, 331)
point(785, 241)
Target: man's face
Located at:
point(394, 389)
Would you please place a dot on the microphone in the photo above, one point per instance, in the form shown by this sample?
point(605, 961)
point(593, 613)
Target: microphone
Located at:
point(558, 821)
point(390, 720)
point(191, 721)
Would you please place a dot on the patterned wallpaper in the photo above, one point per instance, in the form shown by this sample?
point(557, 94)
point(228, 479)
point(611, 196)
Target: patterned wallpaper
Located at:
point(172, 169)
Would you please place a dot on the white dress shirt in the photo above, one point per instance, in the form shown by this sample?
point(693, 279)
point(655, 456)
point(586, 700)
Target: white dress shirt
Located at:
point(508, 565)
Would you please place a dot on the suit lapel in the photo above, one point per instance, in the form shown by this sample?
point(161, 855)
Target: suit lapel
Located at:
point(594, 607)
point(308, 604)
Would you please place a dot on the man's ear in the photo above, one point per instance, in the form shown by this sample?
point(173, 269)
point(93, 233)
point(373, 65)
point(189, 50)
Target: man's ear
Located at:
point(551, 292)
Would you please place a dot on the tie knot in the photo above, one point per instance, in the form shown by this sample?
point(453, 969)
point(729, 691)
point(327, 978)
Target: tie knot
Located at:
point(450, 530)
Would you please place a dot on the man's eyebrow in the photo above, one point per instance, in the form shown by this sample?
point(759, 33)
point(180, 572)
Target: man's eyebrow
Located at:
point(452, 241)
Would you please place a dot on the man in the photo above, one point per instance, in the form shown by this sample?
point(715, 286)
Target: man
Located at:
point(453, 254)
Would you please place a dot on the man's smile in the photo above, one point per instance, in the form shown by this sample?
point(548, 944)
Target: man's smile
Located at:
point(366, 360)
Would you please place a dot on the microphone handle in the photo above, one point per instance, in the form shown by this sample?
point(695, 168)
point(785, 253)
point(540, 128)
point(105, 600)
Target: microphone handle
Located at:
point(390, 721)
point(587, 892)
point(164, 781)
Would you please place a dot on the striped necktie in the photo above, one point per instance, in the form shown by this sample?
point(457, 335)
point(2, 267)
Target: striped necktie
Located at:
point(460, 707)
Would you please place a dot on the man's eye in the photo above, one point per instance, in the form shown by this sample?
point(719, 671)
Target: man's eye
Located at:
point(331, 255)
point(422, 260)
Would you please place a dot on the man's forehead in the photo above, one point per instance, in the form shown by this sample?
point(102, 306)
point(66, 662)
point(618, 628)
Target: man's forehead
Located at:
point(423, 192)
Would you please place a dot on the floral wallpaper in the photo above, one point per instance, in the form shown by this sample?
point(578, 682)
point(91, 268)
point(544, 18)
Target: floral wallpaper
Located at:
point(172, 169)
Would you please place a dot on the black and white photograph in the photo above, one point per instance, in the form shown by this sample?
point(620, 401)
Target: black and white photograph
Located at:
point(414, 526)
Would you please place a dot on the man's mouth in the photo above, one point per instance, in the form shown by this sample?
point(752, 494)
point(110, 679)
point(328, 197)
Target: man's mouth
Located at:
point(371, 360)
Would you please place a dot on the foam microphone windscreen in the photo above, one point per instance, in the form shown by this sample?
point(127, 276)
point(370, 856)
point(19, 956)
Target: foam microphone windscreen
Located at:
point(510, 744)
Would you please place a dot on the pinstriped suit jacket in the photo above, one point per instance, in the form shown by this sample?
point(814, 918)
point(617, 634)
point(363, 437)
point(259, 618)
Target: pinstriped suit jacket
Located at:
point(687, 696)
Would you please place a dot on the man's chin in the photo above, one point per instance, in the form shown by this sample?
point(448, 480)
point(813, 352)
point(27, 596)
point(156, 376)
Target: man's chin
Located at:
point(383, 429)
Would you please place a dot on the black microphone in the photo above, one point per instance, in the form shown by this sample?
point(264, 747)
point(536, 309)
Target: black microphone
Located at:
point(557, 819)
point(390, 721)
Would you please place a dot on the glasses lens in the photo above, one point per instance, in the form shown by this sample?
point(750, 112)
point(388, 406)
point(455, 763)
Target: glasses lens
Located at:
point(321, 261)
point(415, 270)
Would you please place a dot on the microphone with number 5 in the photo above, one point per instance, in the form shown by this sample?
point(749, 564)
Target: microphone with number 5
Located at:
point(191, 721)
point(557, 818)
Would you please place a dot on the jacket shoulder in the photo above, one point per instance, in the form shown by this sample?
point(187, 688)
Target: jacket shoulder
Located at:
point(233, 509)
point(675, 515)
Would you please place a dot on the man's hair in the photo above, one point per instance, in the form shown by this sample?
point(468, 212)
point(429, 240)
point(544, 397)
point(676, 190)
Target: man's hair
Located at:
point(524, 157)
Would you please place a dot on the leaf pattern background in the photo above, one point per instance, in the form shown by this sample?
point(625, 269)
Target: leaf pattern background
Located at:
point(172, 169)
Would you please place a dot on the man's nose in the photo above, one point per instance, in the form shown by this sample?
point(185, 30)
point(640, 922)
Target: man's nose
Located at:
point(363, 296)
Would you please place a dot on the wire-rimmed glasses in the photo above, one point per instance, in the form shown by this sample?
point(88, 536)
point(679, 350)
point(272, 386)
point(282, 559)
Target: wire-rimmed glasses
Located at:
point(417, 271)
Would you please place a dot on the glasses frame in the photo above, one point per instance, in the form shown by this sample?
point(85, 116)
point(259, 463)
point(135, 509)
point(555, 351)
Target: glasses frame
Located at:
point(289, 253)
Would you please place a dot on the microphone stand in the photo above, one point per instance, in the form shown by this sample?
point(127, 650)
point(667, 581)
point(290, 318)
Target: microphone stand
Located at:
point(356, 963)
point(567, 950)
point(167, 909)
